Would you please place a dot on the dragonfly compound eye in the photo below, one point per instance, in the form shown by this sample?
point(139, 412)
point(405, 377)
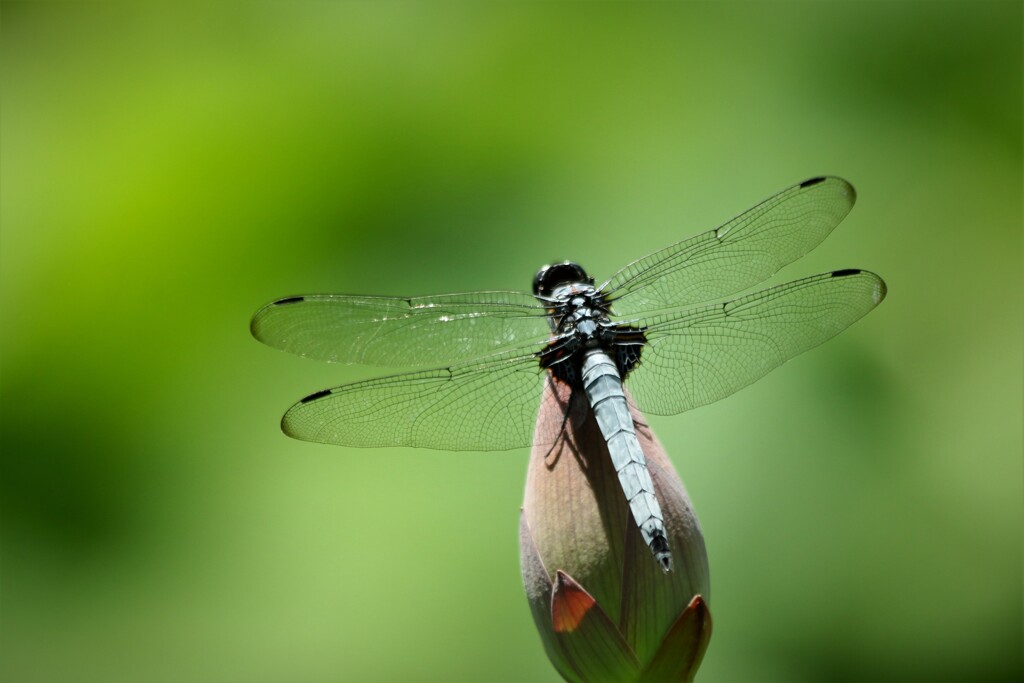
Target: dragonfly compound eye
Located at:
point(550, 277)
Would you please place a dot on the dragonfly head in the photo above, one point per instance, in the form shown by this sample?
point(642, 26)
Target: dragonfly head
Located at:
point(553, 276)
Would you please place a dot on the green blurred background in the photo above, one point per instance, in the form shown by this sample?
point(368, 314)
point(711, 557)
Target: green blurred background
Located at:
point(168, 169)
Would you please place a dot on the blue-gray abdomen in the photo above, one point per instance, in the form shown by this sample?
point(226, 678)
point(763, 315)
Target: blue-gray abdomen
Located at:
point(603, 386)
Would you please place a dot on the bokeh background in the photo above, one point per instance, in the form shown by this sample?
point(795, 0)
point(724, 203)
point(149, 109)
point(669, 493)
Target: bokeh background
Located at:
point(168, 169)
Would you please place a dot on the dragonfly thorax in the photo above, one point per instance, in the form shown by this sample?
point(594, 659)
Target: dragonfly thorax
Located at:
point(579, 317)
point(578, 309)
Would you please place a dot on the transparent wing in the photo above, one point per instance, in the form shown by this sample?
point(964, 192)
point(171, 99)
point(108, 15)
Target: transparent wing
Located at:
point(741, 253)
point(394, 331)
point(487, 404)
point(699, 356)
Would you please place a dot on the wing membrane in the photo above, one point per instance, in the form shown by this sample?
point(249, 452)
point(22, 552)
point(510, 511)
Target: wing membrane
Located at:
point(737, 255)
point(394, 331)
point(699, 356)
point(488, 404)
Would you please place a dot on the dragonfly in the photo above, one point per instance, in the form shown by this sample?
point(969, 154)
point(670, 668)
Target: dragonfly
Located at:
point(661, 333)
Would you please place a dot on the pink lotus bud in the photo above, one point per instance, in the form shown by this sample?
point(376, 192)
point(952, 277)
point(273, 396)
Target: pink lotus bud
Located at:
point(605, 609)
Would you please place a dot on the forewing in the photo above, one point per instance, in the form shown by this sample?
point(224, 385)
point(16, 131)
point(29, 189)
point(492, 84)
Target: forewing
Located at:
point(746, 250)
point(487, 404)
point(394, 331)
point(699, 356)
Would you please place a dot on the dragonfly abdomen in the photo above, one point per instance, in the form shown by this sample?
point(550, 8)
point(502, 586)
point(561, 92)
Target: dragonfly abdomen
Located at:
point(603, 387)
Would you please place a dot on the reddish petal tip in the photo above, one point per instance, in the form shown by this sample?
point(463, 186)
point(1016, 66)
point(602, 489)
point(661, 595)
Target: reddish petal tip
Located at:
point(569, 603)
point(683, 647)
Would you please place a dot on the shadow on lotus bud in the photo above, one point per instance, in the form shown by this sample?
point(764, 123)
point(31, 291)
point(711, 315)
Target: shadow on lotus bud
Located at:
point(605, 608)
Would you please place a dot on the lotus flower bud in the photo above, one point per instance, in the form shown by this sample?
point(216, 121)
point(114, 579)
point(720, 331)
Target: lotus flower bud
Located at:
point(605, 609)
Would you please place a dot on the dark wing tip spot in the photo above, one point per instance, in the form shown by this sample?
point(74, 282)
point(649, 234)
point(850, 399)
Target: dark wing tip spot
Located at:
point(812, 182)
point(313, 397)
point(846, 271)
point(290, 300)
